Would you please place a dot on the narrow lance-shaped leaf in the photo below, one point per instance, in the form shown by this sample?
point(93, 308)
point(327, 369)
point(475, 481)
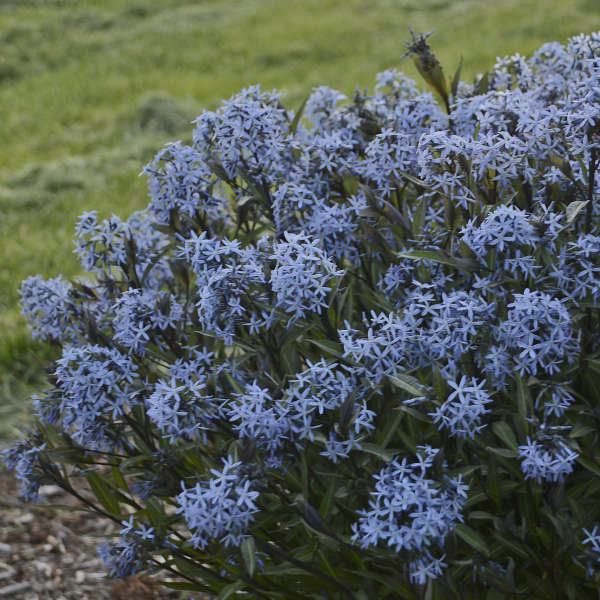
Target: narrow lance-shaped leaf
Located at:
point(248, 550)
point(296, 120)
point(506, 434)
point(463, 264)
point(409, 384)
point(456, 79)
point(104, 494)
point(229, 590)
point(472, 537)
point(573, 209)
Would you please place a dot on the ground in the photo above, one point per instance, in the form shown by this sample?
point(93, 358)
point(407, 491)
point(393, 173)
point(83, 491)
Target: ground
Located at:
point(47, 554)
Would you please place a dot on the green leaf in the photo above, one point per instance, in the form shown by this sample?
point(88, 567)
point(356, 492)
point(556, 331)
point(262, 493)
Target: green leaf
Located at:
point(472, 537)
point(69, 456)
point(506, 434)
point(390, 428)
point(589, 465)
point(248, 549)
point(304, 474)
point(579, 430)
point(561, 163)
point(104, 494)
point(413, 179)
point(315, 525)
point(328, 568)
point(327, 501)
point(523, 404)
point(386, 454)
point(154, 510)
point(180, 271)
point(166, 229)
point(298, 115)
point(503, 452)
point(395, 584)
point(514, 546)
point(196, 571)
point(431, 70)
point(439, 384)
point(370, 213)
point(347, 413)
point(482, 85)
point(344, 300)
point(571, 590)
point(334, 348)
point(234, 384)
point(382, 207)
point(413, 413)
point(84, 290)
point(409, 384)
point(492, 481)
point(184, 586)
point(482, 515)
point(462, 264)
point(290, 357)
point(284, 569)
point(132, 462)
point(573, 209)
point(495, 594)
point(231, 589)
point(419, 218)
point(456, 79)
point(119, 479)
point(505, 487)
point(350, 185)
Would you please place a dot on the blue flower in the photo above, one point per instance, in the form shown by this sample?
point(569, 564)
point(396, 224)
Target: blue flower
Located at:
point(410, 512)
point(548, 460)
point(49, 308)
point(221, 508)
point(180, 180)
point(255, 415)
point(300, 276)
point(463, 408)
point(95, 384)
point(181, 409)
point(23, 457)
point(130, 554)
point(538, 331)
point(139, 313)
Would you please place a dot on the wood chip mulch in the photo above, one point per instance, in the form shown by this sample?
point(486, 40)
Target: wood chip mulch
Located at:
point(47, 554)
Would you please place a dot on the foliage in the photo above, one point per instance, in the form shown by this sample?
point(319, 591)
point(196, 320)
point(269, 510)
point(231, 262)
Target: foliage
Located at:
point(349, 352)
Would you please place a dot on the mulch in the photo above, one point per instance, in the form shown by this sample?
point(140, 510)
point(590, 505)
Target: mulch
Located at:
point(47, 554)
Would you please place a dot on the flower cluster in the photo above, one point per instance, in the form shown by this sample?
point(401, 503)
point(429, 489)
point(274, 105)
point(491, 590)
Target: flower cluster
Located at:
point(47, 306)
point(539, 461)
point(300, 275)
point(463, 408)
point(409, 511)
point(221, 508)
point(130, 553)
point(23, 459)
point(95, 384)
point(537, 332)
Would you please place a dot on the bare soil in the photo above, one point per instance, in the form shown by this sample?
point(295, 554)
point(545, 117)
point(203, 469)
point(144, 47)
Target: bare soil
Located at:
point(49, 554)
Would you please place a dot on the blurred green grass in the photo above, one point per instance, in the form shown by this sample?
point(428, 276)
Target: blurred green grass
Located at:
point(90, 90)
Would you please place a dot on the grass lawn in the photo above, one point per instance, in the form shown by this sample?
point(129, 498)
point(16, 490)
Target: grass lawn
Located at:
point(90, 90)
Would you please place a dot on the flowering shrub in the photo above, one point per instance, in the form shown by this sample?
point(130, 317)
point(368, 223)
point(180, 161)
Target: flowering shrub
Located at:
point(347, 353)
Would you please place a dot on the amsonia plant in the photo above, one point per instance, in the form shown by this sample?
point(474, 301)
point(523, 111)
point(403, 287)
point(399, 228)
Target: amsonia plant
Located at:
point(347, 353)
